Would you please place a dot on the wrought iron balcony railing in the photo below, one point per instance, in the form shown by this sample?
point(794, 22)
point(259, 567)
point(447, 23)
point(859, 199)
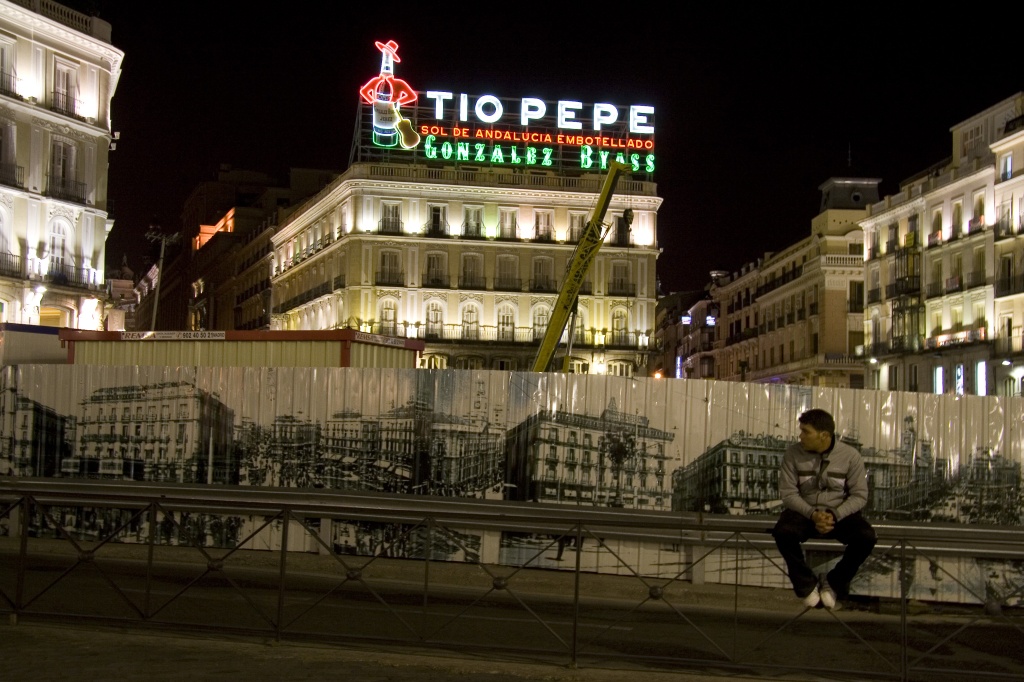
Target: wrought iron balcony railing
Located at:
point(65, 189)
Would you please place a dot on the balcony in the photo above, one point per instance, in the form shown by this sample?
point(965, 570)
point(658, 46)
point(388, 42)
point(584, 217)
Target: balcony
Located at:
point(390, 278)
point(543, 284)
point(621, 339)
point(954, 284)
point(472, 282)
point(508, 231)
point(934, 290)
point(975, 279)
point(977, 224)
point(437, 280)
point(620, 288)
point(11, 266)
point(934, 239)
point(305, 297)
point(68, 275)
point(437, 228)
point(390, 226)
point(473, 229)
point(9, 85)
point(63, 103)
point(1007, 286)
point(855, 307)
point(875, 295)
point(508, 284)
point(65, 189)
point(12, 175)
point(544, 233)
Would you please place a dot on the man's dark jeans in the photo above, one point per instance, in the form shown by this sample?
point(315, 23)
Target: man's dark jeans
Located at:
point(793, 529)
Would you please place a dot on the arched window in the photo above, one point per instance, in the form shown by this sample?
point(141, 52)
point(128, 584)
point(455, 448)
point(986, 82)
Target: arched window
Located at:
point(620, 335)
point(506, 322)
point(435, 319)
point(541, 317)
point(57, 247)
point(470, 322)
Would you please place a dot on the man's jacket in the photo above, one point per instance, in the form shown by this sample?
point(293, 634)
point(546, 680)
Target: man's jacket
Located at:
point(834, 480)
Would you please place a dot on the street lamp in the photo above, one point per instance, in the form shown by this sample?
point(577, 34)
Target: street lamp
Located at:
point(156, 234)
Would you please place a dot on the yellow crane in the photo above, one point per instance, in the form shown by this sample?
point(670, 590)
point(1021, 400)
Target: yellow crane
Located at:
point(576, 271)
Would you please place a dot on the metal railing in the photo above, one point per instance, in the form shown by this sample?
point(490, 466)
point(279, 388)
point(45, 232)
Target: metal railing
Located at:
point(60, 187)
point(160, 556)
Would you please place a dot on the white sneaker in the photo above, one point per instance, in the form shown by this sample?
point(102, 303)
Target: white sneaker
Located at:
point(811, 600)
point(826, 594)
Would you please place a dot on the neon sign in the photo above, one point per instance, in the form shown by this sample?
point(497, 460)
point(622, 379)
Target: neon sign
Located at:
point(386, 94)
point(400, 125)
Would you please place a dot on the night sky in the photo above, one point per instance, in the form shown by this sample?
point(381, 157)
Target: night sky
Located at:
point(753, 112)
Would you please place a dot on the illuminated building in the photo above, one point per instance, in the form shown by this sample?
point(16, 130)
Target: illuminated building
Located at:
point(945, 304)
point(795, 316)
point(58, 73)
point(460, 232)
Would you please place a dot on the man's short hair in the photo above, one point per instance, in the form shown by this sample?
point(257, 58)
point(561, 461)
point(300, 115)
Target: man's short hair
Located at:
point(819, 420)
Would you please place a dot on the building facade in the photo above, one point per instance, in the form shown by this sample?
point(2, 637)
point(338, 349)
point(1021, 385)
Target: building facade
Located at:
point(457, 219)
point(796, 315)
point(471, 261)
point(944, 310)
point(58, 73)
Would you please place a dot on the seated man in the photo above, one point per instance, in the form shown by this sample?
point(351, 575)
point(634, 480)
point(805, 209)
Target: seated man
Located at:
point(823, 487)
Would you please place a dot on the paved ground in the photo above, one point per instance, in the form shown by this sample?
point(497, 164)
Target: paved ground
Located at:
point(31, 651)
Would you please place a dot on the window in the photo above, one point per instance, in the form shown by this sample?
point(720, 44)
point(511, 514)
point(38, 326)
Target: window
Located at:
point(971, 141)
point(390, 217)
point(956, 224)
point(978, 217)
point(472, 221)
point(62, 165)
point(543, 227)
point(1006, 167)
point(388, 315)
point(8, 80)
point(620, 335)
point(506, 323)
point(620, 279)
point(435, 319)
point(939, 386)
point(620, 368)
point(894, 378)
point(470, 323)
point(912, 378)
point(577, 221)
point(507, 227)
point(57, 246)
point(437, 267)
point(65, 88)
point(981, 378)
point(390, 271)
point(438, 221)
point(543, 279)
point(472, 272)
point(541, 315)
point(7, 153)
point(508, 270)
point(469, 362)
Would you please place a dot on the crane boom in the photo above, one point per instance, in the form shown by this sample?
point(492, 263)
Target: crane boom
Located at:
point(576, 270)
